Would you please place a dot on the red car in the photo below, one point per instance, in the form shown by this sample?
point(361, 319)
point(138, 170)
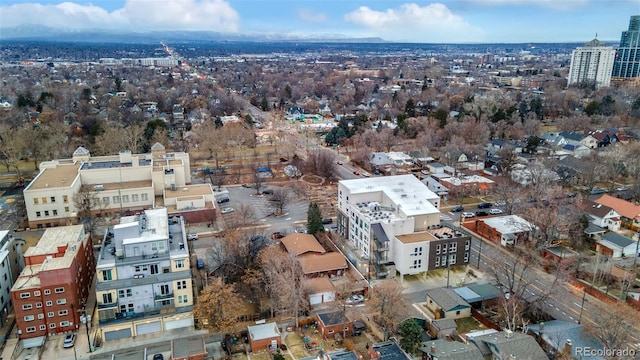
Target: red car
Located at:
point(340, 163)
point(356, 173)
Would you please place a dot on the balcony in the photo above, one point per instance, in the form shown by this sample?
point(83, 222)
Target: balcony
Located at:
point(150, 311)
point(107, 305)
point(164, 296)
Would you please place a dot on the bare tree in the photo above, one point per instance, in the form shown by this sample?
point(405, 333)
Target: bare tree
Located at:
point(613, 327)
point(217, 307)
point(280, 199)
point(88, 206)
point(387, 304)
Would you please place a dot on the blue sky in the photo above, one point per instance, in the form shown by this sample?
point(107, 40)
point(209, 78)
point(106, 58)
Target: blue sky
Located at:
point(444, 21)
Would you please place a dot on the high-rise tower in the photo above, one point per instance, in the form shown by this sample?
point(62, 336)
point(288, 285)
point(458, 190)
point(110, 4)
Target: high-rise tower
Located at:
point(592, 64)
point(627, 62)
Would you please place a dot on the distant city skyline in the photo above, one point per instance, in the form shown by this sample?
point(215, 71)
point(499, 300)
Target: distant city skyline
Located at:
point(446, 21)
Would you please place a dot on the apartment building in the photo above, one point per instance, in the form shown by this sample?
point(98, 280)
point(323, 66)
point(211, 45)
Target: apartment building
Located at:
point(11, 263)
point(592, 64)
point(627, 61)
point(116, 185)
point(51, 292)
point(394, 223)
point(144, 277)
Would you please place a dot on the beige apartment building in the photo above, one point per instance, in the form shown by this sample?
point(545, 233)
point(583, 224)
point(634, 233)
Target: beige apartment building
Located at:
point(121, 184)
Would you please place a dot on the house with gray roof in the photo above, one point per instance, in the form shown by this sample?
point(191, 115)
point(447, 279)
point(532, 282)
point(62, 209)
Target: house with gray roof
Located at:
point(558, 336)
point(442, 349)
point(615, 245)
point(442, 328)
point(445, 303)
point(506, 345)
point(479, 295)
point(601, 215)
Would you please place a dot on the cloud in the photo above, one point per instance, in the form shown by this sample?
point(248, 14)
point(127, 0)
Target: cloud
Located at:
point(307, 15)
point(412, 22)
point(213, 15)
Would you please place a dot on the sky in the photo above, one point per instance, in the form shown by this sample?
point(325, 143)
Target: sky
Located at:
point(444, 21)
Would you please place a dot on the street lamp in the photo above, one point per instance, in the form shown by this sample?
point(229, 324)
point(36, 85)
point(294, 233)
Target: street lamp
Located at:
point(85, 316)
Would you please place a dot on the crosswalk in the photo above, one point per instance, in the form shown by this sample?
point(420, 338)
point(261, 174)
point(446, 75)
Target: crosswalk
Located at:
point(446, 216)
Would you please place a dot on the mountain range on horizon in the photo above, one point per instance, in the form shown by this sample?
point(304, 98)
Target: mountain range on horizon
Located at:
point(36, 32)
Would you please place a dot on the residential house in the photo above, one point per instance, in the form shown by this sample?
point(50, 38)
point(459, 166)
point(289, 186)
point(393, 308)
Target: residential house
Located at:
point(563, 336)
point(321, 290)
point(373, 212)
point(506, 230)
point(497, 144)
point(601, 215)
point(507, 345)
point(334, 355)
point(616, 246)
point(434, 185)
point(629, 212)
point(144, 277)
point(479, 295)
point(444, 303)
point(264, 337)
point(334, 324)
point(442, 328)
point(442, 349)
point(604, 137)
point(437, 168)
point(314, 259)
point(387, 350)
point(52, 290)
point(122, 184)
point(570, 138)
point(461, 182)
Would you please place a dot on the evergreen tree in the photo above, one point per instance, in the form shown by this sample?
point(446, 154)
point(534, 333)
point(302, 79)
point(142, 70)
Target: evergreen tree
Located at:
point(411, 336)
point(314, 219)
point(410, 108)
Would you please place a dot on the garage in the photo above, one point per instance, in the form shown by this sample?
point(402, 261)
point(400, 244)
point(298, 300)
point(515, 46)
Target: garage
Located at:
point(33, 342)
point(148, 328)
point(315, 299)
point(117, 334)
point(177, 324)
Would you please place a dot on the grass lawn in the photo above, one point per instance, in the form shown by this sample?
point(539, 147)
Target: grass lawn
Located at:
point(468, 324)
point(295, 344)
point(260, 355)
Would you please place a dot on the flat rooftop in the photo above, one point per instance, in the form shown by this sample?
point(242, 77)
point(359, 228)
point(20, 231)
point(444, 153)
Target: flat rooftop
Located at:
point(55, 237)
point(60, 176)
point(431, 235)
point(190, 190)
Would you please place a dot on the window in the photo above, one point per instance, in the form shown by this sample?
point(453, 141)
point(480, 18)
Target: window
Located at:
point(135, 198)
point(467, 244)
point(40, 316)
point(158, 246)
point(107, 298)
point(47, 291)
point(183, 299)
point(144, 197)
point(50, 314)
point(25, 295)
point(27, 306)
point(44, 200)
point(125, 198)
point(29, 318)
point(458, 312)
point(43, 327)
point(63, 312)
point(52, 326)
point(65, 199)
point(53, 199)
point(179, 264)
point(106, 275)
point(116, 199)
point(443, 260)
point(182, 284)
point(49, 303)
point(417, 264)
point(125, 293)
point(330, 331)
point(35, 201)
point(35, 293)
point(417, 251)
point(66, 209)
point(31, 329)
point(59, 290)
point(453, 247)
point(437, 261)
point(105, 200)
point(46, 213)
point(61, 301)
point(452, 259)
point(64, 323)
point(438, 249)
point(38, 305)
point(466, 257)
point(55, 212)
point(38, 214)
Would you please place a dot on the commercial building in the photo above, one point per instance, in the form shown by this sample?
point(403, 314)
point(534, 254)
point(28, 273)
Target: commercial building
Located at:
point(51, 292)
point(113, 186)
point(627, 61)
point(394, 223)
point(11, 263)
point(592, 64)
point(144, 277)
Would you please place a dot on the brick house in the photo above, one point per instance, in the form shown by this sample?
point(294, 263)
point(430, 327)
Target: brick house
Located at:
point(264, 336)
point(334, 322)
point(52, 289)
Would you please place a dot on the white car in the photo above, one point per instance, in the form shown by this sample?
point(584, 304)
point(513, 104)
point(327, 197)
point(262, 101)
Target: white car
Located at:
point(354, 299)
point(69, 340)
point(468, 214)
point(495, 211)
point(226, 210)
point(365, 174)
point(192, 236)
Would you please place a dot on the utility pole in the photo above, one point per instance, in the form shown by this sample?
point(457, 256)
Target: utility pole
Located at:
point(448, 269)
point(479, 252)
point(584, 295)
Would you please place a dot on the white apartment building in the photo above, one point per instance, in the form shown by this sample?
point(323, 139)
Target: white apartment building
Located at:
point(122, 184)
point(394, 223)
point(11, 264)
point(144, 277)
point(592, 64)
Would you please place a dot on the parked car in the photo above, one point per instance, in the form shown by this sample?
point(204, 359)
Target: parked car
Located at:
point(376, 172)
point(224, 199)
point(267, 192)
point(247, 185)
point(277, 235)
point(200, 263)
point(283, 160)
point(482, 213)
point(354, 299)
point(484, 205)
point(495, 211)
point(192, 236)
point(69, 340)
point(327, 220)
point(597, 191)
point(356, 173)
point(158, 357)
point(572, 194)
point(468, 214)
point(457, 208)
point(500, 203)
point(366, 174)
point(226, 210)
point(340, 162)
